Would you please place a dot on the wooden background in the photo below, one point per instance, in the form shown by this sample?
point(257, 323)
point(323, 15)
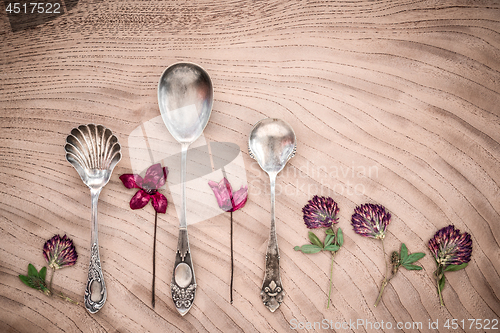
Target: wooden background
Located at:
point(393, 102)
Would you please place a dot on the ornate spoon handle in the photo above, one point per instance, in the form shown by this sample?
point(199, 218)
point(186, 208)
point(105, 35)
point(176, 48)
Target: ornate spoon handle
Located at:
point(95, 291)
point(183, 284)
point(272, 291)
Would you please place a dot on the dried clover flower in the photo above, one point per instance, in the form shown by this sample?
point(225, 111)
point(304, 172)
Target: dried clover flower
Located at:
point(371, 220)
point(59, 252)
point(452, 252)
point(320, 212)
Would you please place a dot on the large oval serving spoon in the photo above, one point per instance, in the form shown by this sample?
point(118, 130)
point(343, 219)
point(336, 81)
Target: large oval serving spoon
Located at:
point(272, 144)
point(185, 98)
point(94, 151)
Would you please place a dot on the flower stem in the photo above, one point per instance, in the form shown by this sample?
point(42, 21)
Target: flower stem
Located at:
point(51, 277)
point(440, 295)
point(232, 261)
point(331, 276)
point(66, 298)
point(385, 281)
point(385, 259)
point(154, 261)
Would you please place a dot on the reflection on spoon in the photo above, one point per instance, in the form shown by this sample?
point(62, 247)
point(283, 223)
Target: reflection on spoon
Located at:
point(272, 144)
point(185, 98)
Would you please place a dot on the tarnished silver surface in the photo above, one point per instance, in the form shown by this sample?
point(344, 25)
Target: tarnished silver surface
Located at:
point(185, 98)
point(272, 143)
point(94, 152)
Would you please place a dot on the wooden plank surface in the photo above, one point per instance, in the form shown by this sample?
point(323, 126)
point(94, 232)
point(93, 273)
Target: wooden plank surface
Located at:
point(392, 102)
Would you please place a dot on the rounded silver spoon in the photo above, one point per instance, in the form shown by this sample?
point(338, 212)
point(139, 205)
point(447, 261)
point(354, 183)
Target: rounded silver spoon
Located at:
point(94, 152)
point(185, 98)
point(272, 143)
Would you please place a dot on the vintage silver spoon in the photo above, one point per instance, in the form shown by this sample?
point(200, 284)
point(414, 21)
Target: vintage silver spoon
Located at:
point(272, 144)
point(185, 98)
point(94, 151)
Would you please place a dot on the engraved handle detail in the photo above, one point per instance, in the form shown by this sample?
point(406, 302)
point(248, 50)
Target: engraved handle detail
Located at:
point(183, 284)
point(272, 290)
point(95, 291)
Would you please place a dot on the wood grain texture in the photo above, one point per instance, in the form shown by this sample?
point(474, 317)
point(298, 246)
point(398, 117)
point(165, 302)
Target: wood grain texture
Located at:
point(393, 102)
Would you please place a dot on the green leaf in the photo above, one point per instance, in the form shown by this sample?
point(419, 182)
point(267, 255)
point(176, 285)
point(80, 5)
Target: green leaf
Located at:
point(32, 270)
point(453, 268)
point(404, 253)
point(43, 273)
point(441, 283)
point(414, 257)
point(27, 281)
point(297, 248)
point(411, 267)
point(329, 231)
point(332, 248)
point(310, 248)
point(340, 237)
point(329, 240)
point(315, 240)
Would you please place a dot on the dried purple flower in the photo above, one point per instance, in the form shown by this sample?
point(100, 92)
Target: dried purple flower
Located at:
point(59, 252)
point(155, 177)
point(452, 251)
point(449, 247)
point(320, 212)
point(370, 220)
point(148, 186)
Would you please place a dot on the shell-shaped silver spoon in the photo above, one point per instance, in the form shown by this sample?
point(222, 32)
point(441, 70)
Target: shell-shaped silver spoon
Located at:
point(94, 152)
point(272, 143)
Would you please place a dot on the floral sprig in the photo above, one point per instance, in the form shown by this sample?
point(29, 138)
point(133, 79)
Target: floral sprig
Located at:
point(153, 180)
point(321, 212)
point(452, 252)
point(370, 220)
point(59, 252)
point(229, 201)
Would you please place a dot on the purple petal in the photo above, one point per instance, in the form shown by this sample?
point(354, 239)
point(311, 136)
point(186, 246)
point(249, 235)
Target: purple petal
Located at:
point(222, 192)
point(131, 180)
point(139, 200)
point(320, 212)
point(240, 198)
point(155, 177)
point(159, 202)
point(370, 220)
point(450, 247)
point(59, 252)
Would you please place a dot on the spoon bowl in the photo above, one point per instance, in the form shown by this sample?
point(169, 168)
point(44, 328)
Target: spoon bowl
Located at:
point(185, 98)
point(272, 143)
point(93, 151)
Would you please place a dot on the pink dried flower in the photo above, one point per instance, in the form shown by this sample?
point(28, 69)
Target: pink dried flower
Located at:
point(227, 200)
point(155, 178)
